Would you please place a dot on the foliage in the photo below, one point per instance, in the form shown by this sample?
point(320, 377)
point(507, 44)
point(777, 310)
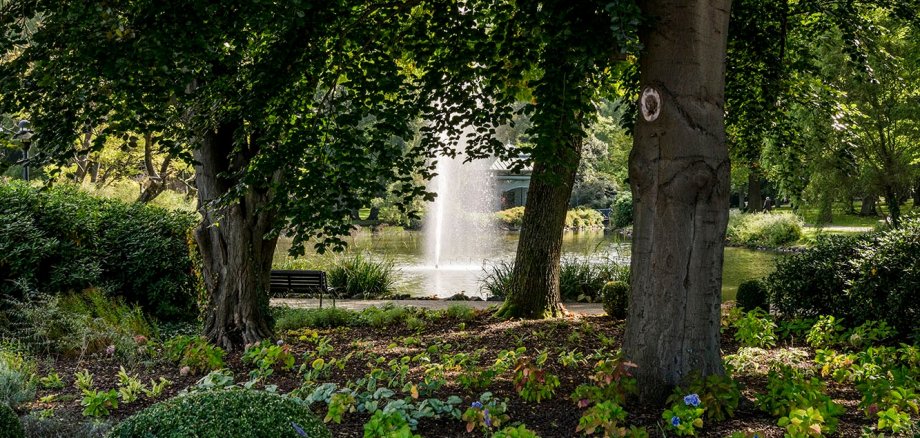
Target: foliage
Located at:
point(194, 352)
point(789, 391)
point(51, 381)
point(607, 416)
point(74, 241)
point(621, 212)
point(520, 431)
point(718, 394)
point(752, 294)
point(511, 218)
point(17, 378)
point(583, 219)
point(826, 332)
point(613, 381)
point(582, 279)
point(486, 414)
point(361, 276)
point(460, 312)
point(803, 422)
point(388, 425)
point(616, 298)
point(497, 279)
point(268, 356)
point(532, 381)
point(98, 403)
point(129, 387)
point(228, 412)
point(769, 230)
point(755, 329)
point(9, 423)
point(854, 279)
point(287, 318)
point(684, 416)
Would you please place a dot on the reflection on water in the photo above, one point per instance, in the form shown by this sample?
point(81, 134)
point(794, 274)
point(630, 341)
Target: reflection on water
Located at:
point(406, 250)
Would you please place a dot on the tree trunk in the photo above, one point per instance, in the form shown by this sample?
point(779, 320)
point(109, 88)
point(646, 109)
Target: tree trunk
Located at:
point(236, 255)
point(825, 209)
point(894, 207)
point(534, 290)
point(869, 205)
point(916, 192)
point(755, 200)
point(679, 172)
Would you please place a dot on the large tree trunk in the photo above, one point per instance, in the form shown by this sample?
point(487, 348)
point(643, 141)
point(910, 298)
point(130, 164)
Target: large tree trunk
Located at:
point(679, 172)
point(755, 200)
point(236, 254)
point(894, 207)
point(534, 286)
point(869, 205)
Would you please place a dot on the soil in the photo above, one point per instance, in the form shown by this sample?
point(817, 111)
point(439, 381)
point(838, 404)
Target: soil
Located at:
point(556, 417)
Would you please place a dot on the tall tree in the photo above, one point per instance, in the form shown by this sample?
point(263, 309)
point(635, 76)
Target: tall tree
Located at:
point(571, 48)
point(293, 113)
point(679, 172)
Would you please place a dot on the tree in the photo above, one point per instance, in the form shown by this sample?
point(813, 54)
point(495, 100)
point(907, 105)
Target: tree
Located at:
point(293, 113)
point(573, 48)
point(679, 173)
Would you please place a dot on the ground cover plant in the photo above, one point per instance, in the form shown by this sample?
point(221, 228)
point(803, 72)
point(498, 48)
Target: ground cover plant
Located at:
point(398, 371)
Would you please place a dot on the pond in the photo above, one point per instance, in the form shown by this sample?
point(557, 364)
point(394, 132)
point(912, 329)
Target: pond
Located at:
point(416, 277)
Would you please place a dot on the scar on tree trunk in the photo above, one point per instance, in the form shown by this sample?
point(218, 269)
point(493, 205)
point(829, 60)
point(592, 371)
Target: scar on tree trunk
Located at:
point(534, 291)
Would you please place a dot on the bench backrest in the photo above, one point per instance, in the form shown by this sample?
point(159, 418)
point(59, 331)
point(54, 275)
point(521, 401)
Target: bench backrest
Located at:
point(298, 281)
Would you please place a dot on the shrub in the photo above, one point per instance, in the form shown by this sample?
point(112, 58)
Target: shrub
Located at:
point(79, 324)
point(17, 379)
point(764, 229)
point(40, 427)
point(194, 352)
point(223, 413)
point(755, 329)
point(752, 295)
point(583, 219)
point(581, 279)
point(621, 212)
point(855, 279)
point(511, 218)
point(616, 298)
point(360, 276)
point(497, 279)
point(10, 427)
point(63, 240)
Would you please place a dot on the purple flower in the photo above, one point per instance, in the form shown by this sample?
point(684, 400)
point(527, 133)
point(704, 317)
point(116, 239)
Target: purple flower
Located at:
point(675, 421)
point(298, 429)
point(692, 400)
point(110, 350)
point(476, 405)
point(487, 418)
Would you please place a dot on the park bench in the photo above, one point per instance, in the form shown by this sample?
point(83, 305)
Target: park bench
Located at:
point(285, 283)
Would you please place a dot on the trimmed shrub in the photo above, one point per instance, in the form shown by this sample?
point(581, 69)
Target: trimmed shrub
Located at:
point(511, 218)
point(751, 295)
point(10, 427)
point(764, 229)
point(360, 276)
point(616, 298)
point(238, 413)
point(63, 240)
point(621, 212)
point(583, 219)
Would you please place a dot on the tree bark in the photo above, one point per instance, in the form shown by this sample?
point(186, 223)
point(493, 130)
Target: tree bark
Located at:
point(869, 205)
point(236, 253)
point(894, 207)
point(755, 200)
point(679, 173)
point(156, 180)
point(534, 290)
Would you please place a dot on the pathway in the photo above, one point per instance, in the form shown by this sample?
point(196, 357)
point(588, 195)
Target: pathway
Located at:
point(312, 303)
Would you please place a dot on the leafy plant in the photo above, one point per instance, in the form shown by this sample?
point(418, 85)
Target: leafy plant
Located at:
point(613, 381)
point(83, 380)
point(17, 379)
point(826, 332)
point(520, 431)
point(718, 394)
point(789, 390)
point(339, 404)
point(685, 416)
point(755, 329)
point(267, 357)
point(98, 403)
point(486, 414)
point(361, 276)
point(532, 381)
point(194, 352)
point(156, 388)
point(803, 423)
point(894, 420)
point(129, 387)
point(51, 381)
point(607, 416)
point(388, 425)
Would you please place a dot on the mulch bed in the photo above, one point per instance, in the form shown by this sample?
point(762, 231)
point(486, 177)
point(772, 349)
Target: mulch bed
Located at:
point(556, 417)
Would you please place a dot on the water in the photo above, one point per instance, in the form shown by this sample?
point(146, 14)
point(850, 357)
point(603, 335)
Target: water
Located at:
point(417, 276)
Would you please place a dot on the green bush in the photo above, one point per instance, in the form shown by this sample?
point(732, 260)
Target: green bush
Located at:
point(616, 298)
point(236, 413)
point(497, 279)
point(581, 278)
point(58, 427)
point(10, 427)
point(621, 212)
point(752, 295)
point(63, 240)
point(17, 379)
point(511, 218)
point(360, 276)
point(583, 219)
point(764, 229)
